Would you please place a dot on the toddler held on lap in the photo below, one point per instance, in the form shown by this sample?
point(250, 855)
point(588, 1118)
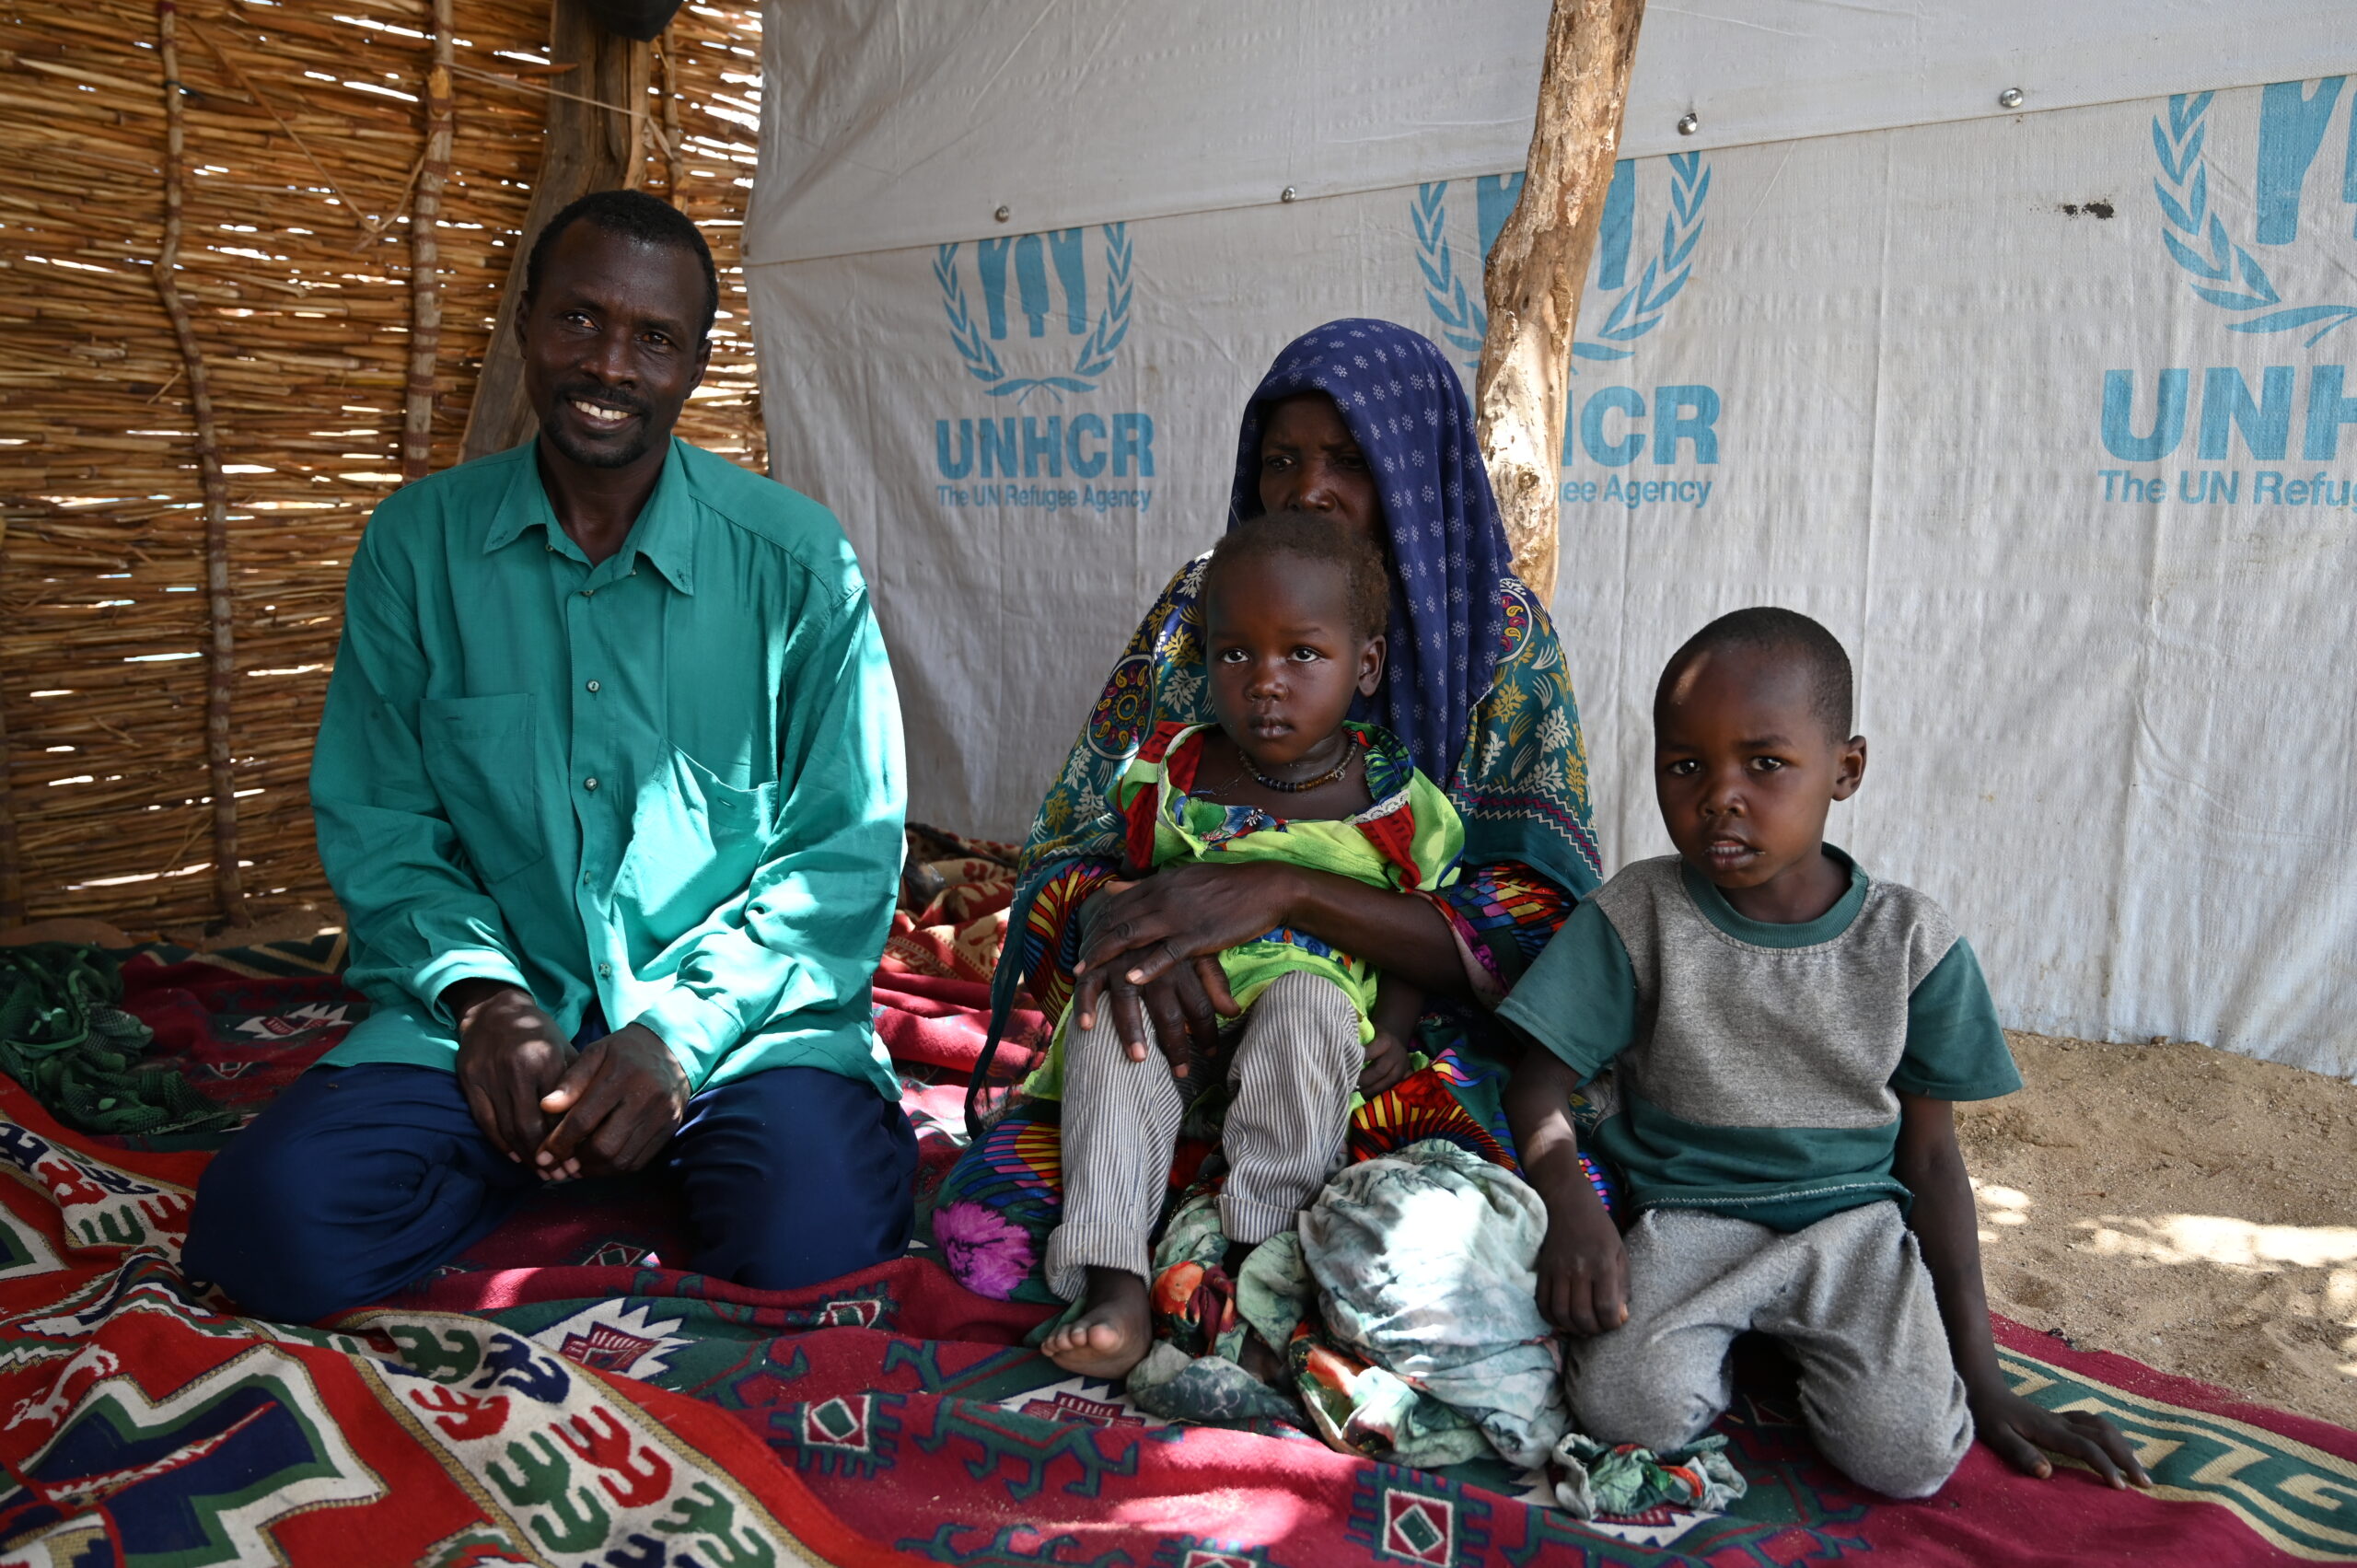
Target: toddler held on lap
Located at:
point(1295, 611)
point(1789, 1035)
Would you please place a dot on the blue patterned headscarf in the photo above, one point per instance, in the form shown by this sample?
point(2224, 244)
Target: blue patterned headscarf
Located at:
point(1405, 407)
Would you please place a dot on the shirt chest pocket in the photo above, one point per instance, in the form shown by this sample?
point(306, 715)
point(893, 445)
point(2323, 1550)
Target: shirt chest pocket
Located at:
point(477, 752)
point(695, 842)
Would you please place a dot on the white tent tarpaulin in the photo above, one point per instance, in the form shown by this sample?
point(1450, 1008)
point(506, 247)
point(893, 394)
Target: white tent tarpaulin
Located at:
point(2046, 415)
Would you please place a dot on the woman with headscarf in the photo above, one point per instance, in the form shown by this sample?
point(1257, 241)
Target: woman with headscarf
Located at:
point(1365, 423)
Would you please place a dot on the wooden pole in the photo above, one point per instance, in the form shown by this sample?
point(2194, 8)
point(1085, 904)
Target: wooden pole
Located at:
point(220, 651)
point(425, 258)
point(593, 143)
point(1538, 264)
point(638, 125)
point(12, 880)
point(671, 149)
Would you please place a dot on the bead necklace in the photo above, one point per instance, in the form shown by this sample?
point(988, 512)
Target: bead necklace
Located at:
point(1282, 787)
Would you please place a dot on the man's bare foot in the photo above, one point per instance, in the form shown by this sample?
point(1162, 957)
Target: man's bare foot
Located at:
point(1112, 1332)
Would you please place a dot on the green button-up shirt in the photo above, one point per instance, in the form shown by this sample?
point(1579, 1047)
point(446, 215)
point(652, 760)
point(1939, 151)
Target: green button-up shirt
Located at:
point(669, 784)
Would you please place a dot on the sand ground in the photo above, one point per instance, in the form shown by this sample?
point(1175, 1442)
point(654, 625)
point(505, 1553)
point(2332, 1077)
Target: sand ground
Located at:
point(2190, 1208)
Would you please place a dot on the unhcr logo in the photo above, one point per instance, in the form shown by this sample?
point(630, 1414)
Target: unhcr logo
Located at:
point(2232, 260)
point(1035, 287)
point(1631, 287)
point(1630, 292)
point(2292, 118)
point(1043, 312)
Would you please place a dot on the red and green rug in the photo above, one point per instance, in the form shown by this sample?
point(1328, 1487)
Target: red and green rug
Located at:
point(560, 1396)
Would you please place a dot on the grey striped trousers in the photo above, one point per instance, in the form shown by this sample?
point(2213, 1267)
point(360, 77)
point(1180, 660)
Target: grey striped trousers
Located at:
point(1292, 1075)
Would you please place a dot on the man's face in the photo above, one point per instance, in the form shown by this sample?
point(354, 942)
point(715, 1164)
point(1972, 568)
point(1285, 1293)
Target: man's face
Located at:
point(611, 345)
point(1745, 771)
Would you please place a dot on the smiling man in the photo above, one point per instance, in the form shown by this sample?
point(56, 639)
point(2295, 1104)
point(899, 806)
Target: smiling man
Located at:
point(609, 785)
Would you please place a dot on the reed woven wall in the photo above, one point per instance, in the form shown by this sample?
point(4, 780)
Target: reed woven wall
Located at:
point(305, 131)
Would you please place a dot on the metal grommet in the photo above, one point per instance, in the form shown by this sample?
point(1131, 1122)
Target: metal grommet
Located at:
point(1288, 194)
point(2009, 98)
point(1689, 123)
point(1003, 214)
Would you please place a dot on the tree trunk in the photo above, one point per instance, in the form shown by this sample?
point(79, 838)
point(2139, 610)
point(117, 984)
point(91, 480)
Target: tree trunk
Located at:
point(596, 116)
point(1536, 271)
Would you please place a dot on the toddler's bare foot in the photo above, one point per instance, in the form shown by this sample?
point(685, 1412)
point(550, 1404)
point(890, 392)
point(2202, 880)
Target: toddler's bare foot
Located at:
point(1112, 1332)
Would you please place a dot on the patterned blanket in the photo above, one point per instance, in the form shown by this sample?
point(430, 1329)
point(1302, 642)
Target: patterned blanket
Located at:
point(560, 1396)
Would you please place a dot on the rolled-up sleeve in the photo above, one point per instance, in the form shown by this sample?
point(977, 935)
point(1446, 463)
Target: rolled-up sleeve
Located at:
point(420, 919)
point(804, 934)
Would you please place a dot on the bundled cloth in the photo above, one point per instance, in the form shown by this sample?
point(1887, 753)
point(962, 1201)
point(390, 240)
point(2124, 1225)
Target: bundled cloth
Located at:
point(1593, 1479)
point(1404, 1313)
point(1426, 1263)
point(66, 1038)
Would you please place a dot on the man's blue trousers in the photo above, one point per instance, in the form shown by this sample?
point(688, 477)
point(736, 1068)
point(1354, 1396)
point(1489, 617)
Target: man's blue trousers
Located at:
point(361, 1180)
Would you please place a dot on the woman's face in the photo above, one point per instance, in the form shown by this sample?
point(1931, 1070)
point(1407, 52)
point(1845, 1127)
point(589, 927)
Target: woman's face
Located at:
point(1309, 463)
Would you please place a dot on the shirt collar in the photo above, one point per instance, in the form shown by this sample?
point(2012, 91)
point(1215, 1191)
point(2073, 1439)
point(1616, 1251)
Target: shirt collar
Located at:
point(664, 533)
point(1766, 934)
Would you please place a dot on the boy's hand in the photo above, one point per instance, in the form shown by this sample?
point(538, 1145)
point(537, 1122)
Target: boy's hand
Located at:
point(1386, 1064)
point(2021, 1432)
point(1928, 1162)
point(1582, 1266)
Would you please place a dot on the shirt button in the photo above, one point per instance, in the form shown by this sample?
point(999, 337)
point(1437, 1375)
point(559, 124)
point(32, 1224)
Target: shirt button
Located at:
point(593, 686)
point(588, 783)
point(605, 972)
point(588, 593)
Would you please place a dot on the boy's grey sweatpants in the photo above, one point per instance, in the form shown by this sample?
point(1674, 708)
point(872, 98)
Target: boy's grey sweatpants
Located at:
point(1292, 1074)
point(1850, 1301)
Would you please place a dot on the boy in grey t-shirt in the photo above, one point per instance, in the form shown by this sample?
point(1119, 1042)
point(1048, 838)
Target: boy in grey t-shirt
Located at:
point(1789, 1036)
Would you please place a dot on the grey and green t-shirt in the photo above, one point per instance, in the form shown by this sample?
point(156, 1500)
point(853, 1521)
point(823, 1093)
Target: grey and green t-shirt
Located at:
point(1759, 1066)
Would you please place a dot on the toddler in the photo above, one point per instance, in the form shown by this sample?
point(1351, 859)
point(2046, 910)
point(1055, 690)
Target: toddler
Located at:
point(1295, 608)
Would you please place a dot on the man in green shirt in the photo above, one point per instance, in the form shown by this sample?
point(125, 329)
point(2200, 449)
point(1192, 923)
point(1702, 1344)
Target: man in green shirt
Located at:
point(609, 785)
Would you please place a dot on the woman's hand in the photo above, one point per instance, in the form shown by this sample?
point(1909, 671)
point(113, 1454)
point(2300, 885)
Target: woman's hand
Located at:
point(1154, 951)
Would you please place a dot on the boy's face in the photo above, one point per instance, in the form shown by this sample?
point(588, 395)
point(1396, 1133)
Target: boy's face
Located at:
point(1284, 658)
point(1744, 770)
